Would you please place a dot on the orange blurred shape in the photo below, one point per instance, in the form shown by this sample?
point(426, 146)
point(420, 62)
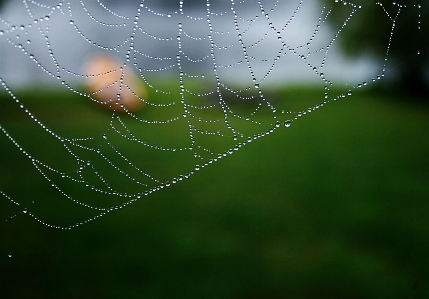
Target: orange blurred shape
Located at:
point(114, 86)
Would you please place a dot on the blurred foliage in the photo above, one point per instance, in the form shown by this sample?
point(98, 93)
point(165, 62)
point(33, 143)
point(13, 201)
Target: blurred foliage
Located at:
point(372, 26)
point(333, 207)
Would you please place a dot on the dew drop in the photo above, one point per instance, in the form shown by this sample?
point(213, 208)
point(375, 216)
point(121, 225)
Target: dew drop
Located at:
point(349, 93)
point(287, 123)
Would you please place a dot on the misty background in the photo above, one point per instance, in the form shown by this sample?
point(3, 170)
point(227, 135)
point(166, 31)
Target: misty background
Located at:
point(159, 20)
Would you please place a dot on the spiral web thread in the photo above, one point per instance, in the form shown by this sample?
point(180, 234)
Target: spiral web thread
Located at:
point(198, 111)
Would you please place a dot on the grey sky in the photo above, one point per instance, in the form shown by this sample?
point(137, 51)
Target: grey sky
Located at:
point(156, 39)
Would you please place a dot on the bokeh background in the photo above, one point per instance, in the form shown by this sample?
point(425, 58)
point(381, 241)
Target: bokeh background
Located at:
point(336, 206)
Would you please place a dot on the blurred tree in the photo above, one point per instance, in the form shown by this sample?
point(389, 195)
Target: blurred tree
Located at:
point(405, 23)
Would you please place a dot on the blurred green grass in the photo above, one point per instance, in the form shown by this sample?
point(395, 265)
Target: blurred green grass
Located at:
point(335, 206)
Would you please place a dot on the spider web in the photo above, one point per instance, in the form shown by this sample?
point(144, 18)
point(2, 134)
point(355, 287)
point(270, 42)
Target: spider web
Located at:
point(207, 67)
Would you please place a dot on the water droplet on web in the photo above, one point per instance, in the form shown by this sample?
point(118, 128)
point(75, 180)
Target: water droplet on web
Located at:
point(418, 52)
point(349, 93)
point(10, 254)
point(287, 123)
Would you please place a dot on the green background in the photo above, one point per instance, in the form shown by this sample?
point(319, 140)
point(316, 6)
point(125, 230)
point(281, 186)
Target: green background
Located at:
point(336, 206)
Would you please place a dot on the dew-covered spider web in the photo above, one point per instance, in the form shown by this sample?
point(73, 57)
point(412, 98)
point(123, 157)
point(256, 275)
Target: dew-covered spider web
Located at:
point(186, 82)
